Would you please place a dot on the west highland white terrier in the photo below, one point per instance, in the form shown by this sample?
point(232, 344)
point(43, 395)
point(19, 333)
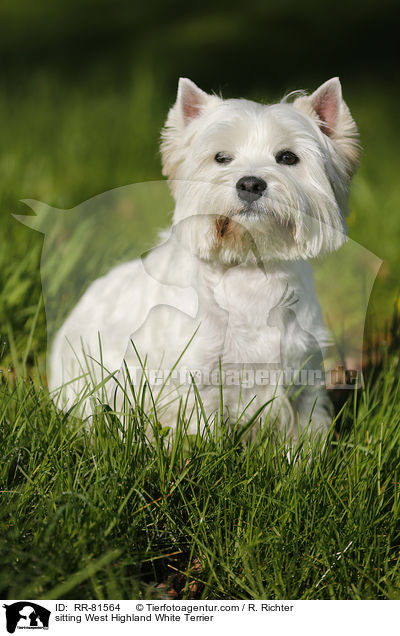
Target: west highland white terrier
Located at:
point(259, 190)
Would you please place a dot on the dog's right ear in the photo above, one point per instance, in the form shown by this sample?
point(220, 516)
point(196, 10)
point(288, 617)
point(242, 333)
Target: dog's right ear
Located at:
point(190, 103)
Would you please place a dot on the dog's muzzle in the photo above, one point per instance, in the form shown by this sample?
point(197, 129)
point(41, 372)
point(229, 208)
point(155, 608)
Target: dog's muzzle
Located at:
point(250, 189)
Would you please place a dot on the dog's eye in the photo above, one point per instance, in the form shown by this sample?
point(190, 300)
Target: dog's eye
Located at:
point(223, 157)
point(287, 157)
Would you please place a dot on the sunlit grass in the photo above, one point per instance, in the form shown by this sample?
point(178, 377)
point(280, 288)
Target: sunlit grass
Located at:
point(100, 512)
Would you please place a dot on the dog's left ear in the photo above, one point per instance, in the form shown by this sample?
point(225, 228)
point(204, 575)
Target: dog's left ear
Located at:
point(328, 108)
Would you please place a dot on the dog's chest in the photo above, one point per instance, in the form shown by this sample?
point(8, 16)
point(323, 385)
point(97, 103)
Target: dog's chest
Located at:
point(237, 307)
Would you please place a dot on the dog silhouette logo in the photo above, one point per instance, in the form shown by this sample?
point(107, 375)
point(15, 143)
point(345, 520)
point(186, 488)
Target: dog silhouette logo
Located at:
point(26, 615)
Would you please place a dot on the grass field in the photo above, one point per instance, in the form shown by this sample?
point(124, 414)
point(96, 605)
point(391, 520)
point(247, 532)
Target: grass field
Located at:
point(94, 515)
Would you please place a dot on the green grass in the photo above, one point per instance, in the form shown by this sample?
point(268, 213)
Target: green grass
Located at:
point(88, 513)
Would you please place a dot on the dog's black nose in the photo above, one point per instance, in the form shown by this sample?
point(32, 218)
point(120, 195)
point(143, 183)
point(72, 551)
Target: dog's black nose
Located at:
point(250, 189)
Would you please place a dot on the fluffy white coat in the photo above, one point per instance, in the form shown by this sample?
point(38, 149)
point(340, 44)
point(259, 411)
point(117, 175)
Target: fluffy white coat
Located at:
point(221, 278)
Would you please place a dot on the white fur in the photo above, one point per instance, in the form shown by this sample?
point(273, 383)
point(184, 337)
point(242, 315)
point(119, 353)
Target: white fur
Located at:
point(224, 267)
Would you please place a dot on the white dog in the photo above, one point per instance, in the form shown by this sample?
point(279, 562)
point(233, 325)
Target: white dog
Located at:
point(259, 190)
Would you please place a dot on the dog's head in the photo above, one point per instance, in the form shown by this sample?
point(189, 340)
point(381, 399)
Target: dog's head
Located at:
point(254, 181)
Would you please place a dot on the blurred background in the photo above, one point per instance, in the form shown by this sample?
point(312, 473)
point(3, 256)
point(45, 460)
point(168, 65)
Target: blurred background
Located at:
point(85, 87)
